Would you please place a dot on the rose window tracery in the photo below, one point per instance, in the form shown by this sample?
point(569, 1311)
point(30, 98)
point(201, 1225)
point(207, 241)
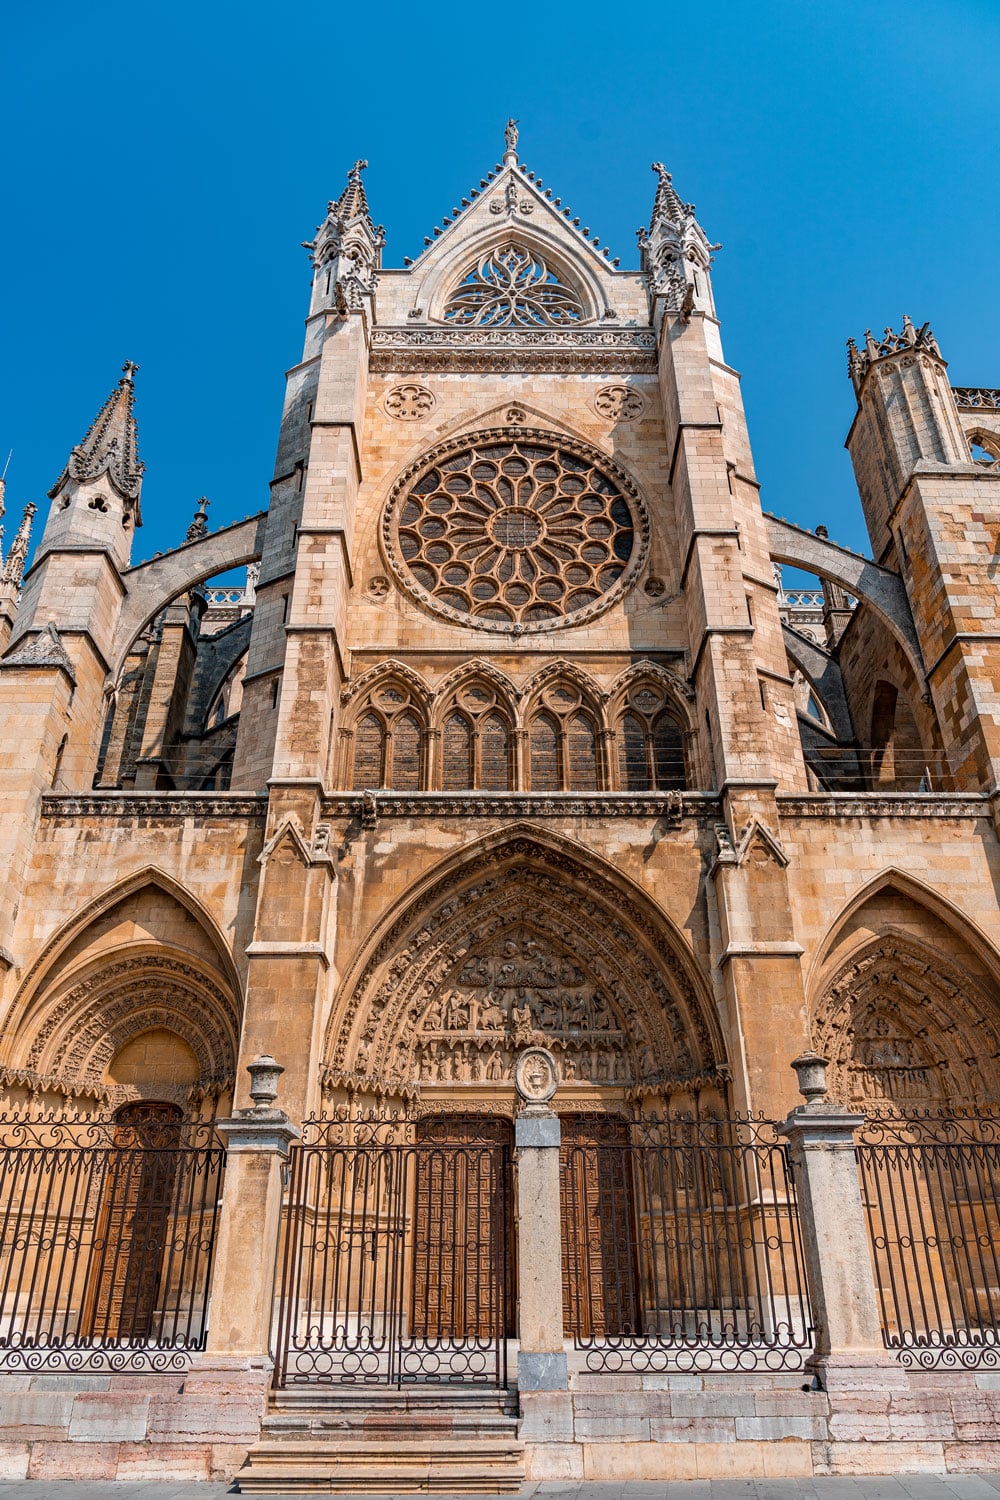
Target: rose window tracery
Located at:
point(512, 286)
point(516, 532)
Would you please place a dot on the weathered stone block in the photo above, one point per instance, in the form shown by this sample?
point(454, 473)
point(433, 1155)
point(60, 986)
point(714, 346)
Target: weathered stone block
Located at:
point(14, 1461)
point(108, 1418)
point(179, 1461)
point(73, 1461)
point(617, 1461)
point(554, 1461)
point(37, 1414)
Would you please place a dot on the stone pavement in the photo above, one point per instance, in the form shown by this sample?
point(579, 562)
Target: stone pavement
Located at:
point(868, 1487)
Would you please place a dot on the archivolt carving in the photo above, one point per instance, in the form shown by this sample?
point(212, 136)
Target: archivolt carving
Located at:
point(522, 946)
point(903, 1027)
point(385, 671)
point(81, 1029)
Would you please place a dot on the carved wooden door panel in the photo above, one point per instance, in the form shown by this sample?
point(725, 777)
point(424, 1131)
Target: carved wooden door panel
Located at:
point(597, 1204)
point(131, 1226)
point(462, 1230)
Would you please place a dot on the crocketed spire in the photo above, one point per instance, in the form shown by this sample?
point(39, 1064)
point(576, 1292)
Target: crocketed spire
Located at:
point(111, 445)
point(353, 201)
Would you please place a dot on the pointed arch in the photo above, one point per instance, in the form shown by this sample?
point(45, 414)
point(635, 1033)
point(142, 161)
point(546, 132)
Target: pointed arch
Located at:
point(389, 668)
point(649, 715)
point(384, 733)
point(73, 927)
point(548, 240)
point(118, 971)
point(905, 1001)
point(563, 715)
point(577, 925)
point(498, 416)
point(475, 716)
point(923, 897)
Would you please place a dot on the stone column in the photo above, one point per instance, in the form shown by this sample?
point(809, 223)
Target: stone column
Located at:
point(246, 1251)
point(845, 1313)
point(541, 1360)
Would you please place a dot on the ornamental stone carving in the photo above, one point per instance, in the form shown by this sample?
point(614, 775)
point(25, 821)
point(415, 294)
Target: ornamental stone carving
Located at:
point(905, 1028)
point(523, 948)
point(618, 403)
point(517, 532)
point(410, 402)
point(536, 1075)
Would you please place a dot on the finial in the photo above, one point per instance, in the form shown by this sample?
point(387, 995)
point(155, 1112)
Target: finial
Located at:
point(199, 526)
point(354, 175)
point(130, 369)
point(510, 134)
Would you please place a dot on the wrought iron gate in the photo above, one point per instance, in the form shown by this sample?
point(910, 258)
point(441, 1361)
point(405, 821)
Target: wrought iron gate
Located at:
point(395, 1264)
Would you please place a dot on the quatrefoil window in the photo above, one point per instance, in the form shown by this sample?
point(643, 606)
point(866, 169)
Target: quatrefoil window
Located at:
point(512, 286)
point(516, 532)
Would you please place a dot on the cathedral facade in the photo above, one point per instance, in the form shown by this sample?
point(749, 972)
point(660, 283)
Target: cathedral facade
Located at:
point(513, 744)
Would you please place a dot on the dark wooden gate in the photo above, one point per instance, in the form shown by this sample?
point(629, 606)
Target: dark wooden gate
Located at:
point(597, 1202)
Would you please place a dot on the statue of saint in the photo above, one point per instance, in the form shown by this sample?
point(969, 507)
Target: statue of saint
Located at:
point(510, 135)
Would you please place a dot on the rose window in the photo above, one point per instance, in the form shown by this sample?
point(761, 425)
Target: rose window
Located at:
point(516, 532)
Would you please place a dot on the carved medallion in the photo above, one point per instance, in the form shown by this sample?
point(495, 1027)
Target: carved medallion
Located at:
point(618, 403)
point(410, 402)
point(536, 1076)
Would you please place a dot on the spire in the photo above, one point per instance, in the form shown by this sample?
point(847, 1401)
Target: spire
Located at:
point(110, 446)
point(13, 572)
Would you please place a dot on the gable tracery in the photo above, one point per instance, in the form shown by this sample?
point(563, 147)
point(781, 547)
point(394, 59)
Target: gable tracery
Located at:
point(512, 286)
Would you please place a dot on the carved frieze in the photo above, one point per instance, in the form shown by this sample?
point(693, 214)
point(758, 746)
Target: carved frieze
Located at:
point(615, 350)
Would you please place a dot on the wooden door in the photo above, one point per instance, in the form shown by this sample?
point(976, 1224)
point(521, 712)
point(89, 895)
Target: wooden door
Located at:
point(597, 1205)
point(463, 1276)
point(131, 1226)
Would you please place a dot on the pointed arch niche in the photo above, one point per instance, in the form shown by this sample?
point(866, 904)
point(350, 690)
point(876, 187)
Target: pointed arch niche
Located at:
point(134, 1000)
point(907, 1005)
point(523, 942)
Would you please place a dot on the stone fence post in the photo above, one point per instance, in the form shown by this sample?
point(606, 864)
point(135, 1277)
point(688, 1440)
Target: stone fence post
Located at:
point(246, 1249)
point(541, 1360)
point(847, 1330)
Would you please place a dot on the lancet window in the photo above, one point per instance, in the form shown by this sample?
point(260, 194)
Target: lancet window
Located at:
point(563, 743)
point(476, 743)
point(512, 285)
point(650, 744)
point(389, 743)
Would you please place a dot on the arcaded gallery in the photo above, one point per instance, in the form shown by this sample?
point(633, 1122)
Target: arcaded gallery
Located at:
point(510, 988)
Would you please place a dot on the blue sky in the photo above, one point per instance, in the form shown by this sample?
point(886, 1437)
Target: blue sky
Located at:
point(164, 162)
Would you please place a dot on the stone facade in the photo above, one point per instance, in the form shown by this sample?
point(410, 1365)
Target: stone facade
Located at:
point(513, 738)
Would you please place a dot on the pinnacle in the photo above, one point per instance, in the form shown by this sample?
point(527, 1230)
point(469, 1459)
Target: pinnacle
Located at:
point(353, 201)
point(110, 445)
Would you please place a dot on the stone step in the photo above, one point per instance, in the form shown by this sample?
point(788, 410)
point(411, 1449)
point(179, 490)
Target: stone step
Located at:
point(395, 1465)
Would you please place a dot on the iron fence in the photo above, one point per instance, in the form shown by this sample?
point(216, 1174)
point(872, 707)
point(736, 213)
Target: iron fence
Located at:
point(107, 1232)
point(931, 1188)
point(396, 1265)
point(682, 1249)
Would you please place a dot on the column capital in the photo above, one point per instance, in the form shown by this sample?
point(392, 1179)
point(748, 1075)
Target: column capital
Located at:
point(258, 1130)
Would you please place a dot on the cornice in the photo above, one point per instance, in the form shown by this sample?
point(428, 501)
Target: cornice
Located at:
point(885, 805)
point(115, 804)
point(408, 350)
point(674, 806)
